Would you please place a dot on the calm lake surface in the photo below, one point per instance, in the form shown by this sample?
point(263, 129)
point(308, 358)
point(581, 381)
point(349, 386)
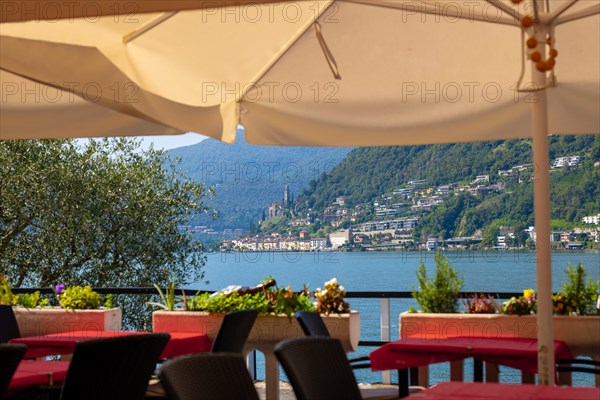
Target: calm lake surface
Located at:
point(490, 271)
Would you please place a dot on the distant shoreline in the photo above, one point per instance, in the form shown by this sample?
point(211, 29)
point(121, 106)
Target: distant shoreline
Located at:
point(408, 251)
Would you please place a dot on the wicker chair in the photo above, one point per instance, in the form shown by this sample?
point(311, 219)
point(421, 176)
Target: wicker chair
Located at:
point(234, 331)
point(207, 376)
point(317, 368)
point(116, 368)
point(313, 325)
point(9, 329)
point(10, 357)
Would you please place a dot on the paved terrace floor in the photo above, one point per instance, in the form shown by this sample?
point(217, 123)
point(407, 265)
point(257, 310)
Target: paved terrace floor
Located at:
point(286, 392)
point(368, 390)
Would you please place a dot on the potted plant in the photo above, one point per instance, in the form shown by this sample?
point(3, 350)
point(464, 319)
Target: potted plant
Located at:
point(276, 305)
point(79, 309)
point(274, 323)
point(574, 322)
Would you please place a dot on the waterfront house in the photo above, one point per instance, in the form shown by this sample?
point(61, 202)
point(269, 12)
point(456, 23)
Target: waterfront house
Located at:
point(340, 238)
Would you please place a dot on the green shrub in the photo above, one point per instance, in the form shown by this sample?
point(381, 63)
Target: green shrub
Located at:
point(441, 293)
point(286, 301)
point(226, 303)
point(30, 300)
point(27, 300)
point(279, 301)
point(580, 295)
point(79, 298)
point(6, 294)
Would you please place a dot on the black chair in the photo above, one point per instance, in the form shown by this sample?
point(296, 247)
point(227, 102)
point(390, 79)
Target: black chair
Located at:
point(313, 325)
point(581, 365)
point(115, 368)
point(10, 357)
point(9, 329)
point(317, 368)
point(234, 331)
point(207, 376)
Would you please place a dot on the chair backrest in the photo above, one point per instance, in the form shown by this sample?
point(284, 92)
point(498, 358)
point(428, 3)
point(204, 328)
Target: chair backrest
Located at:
point(312, 324)
point(317, 368)
point(578, 365)
point(116, 368)
point(10, 357)
point(9, 329)
point(207, 376)
point(234, 331)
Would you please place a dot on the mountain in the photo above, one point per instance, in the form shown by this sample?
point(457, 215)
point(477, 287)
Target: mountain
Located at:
point(248, 178)
point(370, 175)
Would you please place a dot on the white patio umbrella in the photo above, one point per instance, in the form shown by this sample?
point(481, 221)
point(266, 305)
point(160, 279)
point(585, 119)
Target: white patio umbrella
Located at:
point(29, 106)
point(412, 72)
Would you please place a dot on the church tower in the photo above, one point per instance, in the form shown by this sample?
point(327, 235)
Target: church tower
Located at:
point(286, 196)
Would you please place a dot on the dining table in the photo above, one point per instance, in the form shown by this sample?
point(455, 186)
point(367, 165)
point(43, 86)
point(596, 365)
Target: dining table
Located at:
point(407, 353)
point(31, 373)
point(504, 391)
point(180, 343)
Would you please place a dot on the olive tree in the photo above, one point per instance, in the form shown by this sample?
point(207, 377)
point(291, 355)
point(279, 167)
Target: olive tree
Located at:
point(103, 213)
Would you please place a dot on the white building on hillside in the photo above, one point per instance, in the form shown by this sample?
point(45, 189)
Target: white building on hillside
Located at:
point(592, 219)
point(339, 238)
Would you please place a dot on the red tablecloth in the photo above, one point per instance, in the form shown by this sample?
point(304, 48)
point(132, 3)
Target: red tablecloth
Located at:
point(505, 391)
point(181, 343)
point(520, 353)
point(32, 373)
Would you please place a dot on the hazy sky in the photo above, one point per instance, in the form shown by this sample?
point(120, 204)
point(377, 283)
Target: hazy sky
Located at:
point(171, 141)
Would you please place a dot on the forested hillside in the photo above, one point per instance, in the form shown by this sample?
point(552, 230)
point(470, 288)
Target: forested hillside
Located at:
point(248, 178)
point(368, 173)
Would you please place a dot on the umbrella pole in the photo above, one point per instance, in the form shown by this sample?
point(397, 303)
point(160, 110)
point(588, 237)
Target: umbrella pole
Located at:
point(541, 164)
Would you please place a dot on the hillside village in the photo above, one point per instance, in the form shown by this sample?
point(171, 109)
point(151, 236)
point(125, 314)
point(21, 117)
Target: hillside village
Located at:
point(389, 221)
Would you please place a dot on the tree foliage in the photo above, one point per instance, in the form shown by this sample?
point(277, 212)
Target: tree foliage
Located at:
point(100, 214)
point(439, 294)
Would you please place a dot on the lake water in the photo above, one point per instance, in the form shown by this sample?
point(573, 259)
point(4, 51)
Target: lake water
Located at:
point(486, 271)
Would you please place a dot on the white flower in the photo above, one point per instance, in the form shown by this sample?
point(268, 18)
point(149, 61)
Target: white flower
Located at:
point(333, 281)
point(341, 288)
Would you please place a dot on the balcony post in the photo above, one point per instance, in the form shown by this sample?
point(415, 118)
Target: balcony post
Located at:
point(385, 334)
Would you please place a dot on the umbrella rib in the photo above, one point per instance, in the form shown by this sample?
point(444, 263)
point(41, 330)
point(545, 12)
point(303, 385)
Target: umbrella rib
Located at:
point(147, 26)
point(328, 55)
point(586, 12)
point(508, 10)
point(273, 61)
point(559, 11)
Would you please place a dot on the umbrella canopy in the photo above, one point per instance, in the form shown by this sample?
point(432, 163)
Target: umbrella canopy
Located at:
point(30, 106)
point(331, 73)
point(407, 77)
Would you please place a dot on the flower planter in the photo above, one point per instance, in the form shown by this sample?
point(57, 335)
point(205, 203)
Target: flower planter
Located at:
point(266, 332)
point(580, 333)
point(44, 321)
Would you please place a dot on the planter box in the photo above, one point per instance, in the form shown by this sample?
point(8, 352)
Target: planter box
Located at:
point(44, 321)
point(581, 333)
point(267, 330)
